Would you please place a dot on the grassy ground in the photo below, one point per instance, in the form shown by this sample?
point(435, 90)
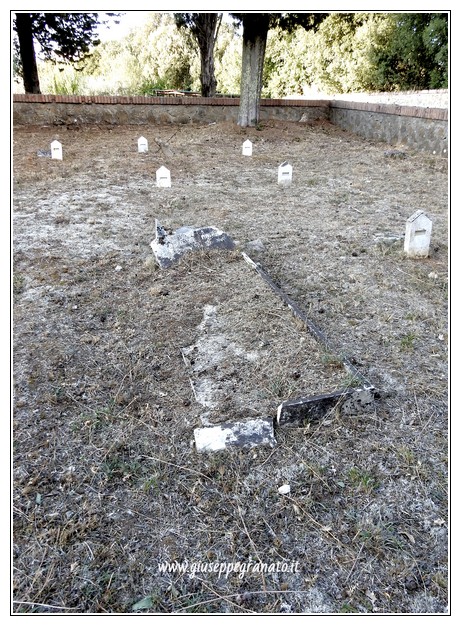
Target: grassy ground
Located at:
point(107, 483)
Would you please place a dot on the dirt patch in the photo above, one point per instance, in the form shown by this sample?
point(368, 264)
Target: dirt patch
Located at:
point(107, 484)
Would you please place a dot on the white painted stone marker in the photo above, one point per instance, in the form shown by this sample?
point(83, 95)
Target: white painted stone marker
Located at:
point(56, 150)
point(418, 235)
point(142, 144)
point(247, 148)
point(285, 173)
point(163, 177)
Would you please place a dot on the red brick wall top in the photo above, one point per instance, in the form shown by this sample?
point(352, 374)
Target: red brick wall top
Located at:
point(186, 100)
point(389, 109)
point(392, 109)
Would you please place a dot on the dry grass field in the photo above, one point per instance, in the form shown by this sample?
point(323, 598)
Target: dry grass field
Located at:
point(107, 484)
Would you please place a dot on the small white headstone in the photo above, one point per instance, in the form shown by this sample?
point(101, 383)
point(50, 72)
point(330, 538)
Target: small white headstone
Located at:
point(142, 144)
point(163, 177)
point(56, 150)
point(418, 235)
point(247, 148)
point(285, 173)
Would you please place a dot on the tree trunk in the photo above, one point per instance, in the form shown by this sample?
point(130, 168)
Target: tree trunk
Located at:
point(206, 32)
point(27, 53)
point(255, 29)
point(207, 75)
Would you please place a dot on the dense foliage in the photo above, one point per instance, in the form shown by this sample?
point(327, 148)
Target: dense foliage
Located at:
point(360, 52)
point(347, 52)
point(414, 55)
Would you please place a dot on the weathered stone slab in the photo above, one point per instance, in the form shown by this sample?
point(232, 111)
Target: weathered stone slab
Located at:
point(297, 413)
point(358, 401)
point(255, 247)
point(168, 249)
point(247, 434)
point(395, 154)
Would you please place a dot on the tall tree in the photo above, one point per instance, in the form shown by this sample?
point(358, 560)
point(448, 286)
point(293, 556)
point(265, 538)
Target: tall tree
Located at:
point(255, 29)
point(28, 61)
point(204, 28)
point(64, 37)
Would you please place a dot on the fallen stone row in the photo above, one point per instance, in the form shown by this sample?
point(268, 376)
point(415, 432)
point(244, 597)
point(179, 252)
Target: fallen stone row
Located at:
point(168, 249)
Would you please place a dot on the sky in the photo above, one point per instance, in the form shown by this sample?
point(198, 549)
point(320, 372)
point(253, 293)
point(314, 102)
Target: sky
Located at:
point(128, 21)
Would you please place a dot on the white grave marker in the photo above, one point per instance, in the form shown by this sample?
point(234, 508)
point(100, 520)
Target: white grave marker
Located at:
point(163, 177)
point(418, 235)
point(247, 148)
point(142, 144)
point(56, 150)
point(285, 173)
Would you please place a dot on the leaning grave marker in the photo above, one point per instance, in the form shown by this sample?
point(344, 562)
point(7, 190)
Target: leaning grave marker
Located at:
point(418, 235)
point(285, 173)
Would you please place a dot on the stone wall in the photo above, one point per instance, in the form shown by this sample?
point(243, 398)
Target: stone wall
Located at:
point(423, 129)
point(41, 110)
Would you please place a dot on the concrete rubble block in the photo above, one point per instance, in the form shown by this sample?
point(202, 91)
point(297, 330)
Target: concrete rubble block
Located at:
point(359, 401)
point(247, 434)
point(169, 248)
point(298, 413)
point(255, 247)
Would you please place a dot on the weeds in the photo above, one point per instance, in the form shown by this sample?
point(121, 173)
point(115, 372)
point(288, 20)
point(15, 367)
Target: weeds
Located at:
point(362, 479)
point(407, 343)
point(120, 464)
point(351, 381)
point(331, 360)
point(18, 284)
